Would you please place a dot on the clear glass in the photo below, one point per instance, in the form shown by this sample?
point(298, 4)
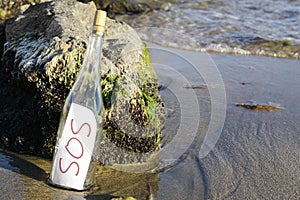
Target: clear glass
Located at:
point(86, 92)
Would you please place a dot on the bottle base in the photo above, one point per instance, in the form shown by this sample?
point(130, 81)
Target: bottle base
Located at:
point(52, 184)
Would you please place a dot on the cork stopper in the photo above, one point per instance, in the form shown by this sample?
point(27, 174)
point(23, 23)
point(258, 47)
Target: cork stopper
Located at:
point(99, 22)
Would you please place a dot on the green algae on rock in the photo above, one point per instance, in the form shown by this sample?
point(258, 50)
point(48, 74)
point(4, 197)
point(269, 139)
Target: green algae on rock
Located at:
point(41, 68)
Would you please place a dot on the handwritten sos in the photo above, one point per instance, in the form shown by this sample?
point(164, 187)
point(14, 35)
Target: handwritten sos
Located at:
point(75, 146)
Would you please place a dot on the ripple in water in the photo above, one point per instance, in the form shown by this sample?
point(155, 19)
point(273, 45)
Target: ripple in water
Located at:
point(259, 27)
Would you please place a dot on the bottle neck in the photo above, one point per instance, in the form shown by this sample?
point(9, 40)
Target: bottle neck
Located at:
point(87, 84)
point(91, 63)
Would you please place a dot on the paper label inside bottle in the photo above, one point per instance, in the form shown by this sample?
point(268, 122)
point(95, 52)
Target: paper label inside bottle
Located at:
point(75, 148)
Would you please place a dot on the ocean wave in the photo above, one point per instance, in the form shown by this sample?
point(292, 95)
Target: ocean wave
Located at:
point(258, 27)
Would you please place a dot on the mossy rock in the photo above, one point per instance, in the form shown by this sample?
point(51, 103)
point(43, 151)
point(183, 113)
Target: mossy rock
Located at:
point(38, 70)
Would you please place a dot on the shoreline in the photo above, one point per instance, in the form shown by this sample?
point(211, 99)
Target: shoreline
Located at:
point(276, 49)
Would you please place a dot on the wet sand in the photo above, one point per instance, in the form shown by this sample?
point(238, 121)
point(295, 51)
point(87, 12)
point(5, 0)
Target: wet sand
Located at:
point(256, 157)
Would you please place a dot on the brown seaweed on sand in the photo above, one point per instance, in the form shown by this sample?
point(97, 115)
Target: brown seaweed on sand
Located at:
point(259, 107)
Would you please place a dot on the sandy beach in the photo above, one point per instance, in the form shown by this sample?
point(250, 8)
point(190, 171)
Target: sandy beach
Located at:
point(256, 156)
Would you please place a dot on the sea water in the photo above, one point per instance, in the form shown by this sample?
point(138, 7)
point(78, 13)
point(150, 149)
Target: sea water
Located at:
point(258, 27)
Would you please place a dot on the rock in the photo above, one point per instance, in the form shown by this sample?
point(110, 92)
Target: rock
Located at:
point(43, 54)
point(9, 8)
point(121, 6)
point(51, 19)
point(128, 6)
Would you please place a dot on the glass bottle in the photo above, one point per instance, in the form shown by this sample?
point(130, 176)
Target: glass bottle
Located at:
point(80, 126)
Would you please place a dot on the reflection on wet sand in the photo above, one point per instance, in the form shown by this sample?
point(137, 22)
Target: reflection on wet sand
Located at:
point(117, 183)
point(25, 177)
